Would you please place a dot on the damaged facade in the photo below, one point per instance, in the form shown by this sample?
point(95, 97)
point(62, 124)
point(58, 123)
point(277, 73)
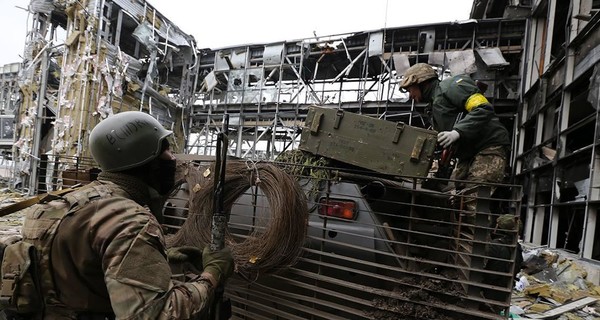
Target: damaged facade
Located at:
point(556, 134)
point(9, 97)
point(539, 58)
point(555, 153)
point(83, 61)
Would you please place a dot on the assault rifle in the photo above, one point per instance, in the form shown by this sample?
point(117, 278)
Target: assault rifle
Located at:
point(220, 309)
point(445, 163)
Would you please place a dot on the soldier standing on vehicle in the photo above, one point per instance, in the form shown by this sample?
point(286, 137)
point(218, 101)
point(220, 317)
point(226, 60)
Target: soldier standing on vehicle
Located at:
point(500, 253)
point(106, 257)
point(466, 122)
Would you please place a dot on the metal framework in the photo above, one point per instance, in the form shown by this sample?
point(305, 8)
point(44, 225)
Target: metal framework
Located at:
point(267, 88)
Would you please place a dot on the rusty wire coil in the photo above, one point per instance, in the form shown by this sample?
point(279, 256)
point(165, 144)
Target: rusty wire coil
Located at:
point(263, 250)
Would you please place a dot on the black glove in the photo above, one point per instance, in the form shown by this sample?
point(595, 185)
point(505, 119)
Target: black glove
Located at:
point(219, 263)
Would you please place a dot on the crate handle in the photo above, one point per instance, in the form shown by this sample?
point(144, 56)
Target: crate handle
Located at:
point(316, 123)
point(399, 129)
point(338, 118)
point(417, 148)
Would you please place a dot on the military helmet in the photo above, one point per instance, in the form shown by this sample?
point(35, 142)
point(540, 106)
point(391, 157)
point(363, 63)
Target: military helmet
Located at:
point(126, 140)
point(508, 222)
point(416, 74)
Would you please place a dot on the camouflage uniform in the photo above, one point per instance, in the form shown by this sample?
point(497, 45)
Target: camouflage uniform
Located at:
point(108, 257)
point(500, 253)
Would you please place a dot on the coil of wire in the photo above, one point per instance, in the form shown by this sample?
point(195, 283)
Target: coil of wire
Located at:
point(270, 248)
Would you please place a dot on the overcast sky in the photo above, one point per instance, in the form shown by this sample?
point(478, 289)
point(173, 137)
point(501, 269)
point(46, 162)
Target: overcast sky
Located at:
point(222, 23)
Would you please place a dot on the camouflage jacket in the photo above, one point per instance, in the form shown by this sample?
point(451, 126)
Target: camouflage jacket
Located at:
point(479, 126)
point(108, 257)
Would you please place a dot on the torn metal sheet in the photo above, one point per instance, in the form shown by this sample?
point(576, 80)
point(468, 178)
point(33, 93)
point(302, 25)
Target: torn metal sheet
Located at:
point(43, 6)
point(583, 187)
point(222, 61)
point(162, 26)
point(375, 44)
point(144, 33)
point(492, 57)
point(236, 86)
point(230, 59)
point(593, 95)
point(458, 62)
point(273, 54)
point(129, 66)
point(461, 62)
point(401, 63)
point(426, 41)
point(209, 82)
point(437, 59)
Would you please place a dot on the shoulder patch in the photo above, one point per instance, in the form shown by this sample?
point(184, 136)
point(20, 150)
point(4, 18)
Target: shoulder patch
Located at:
point(144, 264)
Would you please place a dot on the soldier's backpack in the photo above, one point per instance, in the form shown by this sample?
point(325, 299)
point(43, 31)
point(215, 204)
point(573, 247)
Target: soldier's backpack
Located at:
point(19, 292)
point(27, 284)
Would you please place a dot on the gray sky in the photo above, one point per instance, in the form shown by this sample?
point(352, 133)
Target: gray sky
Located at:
point(223, 23)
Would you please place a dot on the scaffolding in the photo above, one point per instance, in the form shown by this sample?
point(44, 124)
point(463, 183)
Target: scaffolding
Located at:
point(267, 88)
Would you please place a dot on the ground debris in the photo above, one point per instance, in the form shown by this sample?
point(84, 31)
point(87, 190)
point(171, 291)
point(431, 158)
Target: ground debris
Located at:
point(423, 301)
point(11, 224)
point(393, 309)
point(551, 285)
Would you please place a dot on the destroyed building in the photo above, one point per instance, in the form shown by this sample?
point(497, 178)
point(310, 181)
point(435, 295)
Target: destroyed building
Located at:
point(115, 56)
point(9, 98)
point(84, 60)
point(539, 59)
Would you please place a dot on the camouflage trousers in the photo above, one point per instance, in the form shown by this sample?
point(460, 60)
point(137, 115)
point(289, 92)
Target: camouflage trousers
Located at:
point(488, 166)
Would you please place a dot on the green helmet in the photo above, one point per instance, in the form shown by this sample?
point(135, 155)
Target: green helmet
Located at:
point(416, 74)
point(126, 140)
point(508, 222)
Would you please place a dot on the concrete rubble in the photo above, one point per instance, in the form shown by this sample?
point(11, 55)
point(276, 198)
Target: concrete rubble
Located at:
point(555, 284)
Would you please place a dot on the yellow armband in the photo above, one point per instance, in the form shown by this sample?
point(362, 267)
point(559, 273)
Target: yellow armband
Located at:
point(474, 101)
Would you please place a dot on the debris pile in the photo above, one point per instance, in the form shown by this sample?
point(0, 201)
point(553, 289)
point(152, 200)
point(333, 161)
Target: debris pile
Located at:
point(552, 285)
point(10, 225)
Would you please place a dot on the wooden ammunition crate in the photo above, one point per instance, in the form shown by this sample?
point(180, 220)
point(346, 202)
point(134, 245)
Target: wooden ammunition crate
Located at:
point(383, 146)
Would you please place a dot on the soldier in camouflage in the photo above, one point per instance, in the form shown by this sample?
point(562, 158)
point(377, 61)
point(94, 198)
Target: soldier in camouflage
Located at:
point(500, 252)
point(108, 258)
point(466, 122)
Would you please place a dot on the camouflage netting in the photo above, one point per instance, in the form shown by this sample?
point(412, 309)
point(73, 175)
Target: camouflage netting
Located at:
point(299, 163)
point(263, 250)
